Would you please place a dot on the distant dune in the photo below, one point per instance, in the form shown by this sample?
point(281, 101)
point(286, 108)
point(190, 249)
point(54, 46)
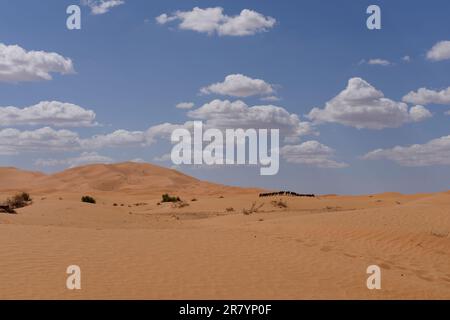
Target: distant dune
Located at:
point(12, 178)
point(129, 177)
point(222, 243)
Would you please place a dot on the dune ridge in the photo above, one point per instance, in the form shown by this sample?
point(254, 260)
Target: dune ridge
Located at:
point(129, 177)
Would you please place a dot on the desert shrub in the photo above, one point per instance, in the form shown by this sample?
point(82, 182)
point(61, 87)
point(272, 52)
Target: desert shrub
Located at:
point(230, 209)
point(279, 204)
point(88, 199)
point(194, 199)
point(167, 198)
point(6, 209)
point(25, 196)
point(253, 209)
point(20, 200)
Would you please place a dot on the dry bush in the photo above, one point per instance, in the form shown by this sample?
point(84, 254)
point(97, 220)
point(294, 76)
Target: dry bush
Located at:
point(253, 209)
point(167, 198)
point(88, 199)
point(6, 209)
point(18, 201)
point(230, 209)
point(279, 204)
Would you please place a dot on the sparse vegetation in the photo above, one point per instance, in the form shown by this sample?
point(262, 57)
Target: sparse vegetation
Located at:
point(19, 200)
point(180, 204)
point(16, 202)
point(167, 198)
point(194, 199)
point(6, 209)
point(253, 209)
point(230, 209)
point(88, 199)
point(139, 204)
point(24, 196)
point(279, 204)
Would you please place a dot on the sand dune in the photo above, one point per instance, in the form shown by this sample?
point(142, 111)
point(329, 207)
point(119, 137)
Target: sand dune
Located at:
point(129, 246)
point(13, 178)
point(129, 177)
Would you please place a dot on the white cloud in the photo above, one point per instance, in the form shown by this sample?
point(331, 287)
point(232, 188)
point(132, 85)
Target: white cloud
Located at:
point(406, 59)
point(185, 105)
point(238, 85)
point(17, 65)
point(311, 153)
point(52, 113)
point(426, 96)
point(225, 114)
point(213, 20)
point(361, 105)
point(13, 141)
point(164, 158)
point(83, 159)
point(439, 52)
point(118, 138)
point(379, 62)
point(101, 6)
point(434, 152)
point(271, 99)
point(217, 114)
point(419, 113)
point(163, 130)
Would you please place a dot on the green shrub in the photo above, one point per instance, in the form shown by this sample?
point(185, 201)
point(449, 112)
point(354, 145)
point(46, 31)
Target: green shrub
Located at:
point(88, 199)
point(167, 198)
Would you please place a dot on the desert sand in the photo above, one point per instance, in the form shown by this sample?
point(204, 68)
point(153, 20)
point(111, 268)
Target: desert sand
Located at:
point(130, 247)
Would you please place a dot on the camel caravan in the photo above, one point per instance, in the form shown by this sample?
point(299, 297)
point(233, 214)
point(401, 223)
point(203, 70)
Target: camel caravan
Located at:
point(285, 193)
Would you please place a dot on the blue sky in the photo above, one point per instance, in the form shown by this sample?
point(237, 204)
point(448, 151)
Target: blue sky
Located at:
point(132, 71)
